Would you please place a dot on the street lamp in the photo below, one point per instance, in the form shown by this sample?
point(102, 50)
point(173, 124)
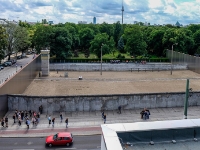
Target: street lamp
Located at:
point(16, 68)
point(101, 59)
point(172, 55)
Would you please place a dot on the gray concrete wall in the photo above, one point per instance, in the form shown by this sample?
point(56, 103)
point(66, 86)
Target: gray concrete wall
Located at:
point(114, 67)
point(3, 105)
point(98, 102)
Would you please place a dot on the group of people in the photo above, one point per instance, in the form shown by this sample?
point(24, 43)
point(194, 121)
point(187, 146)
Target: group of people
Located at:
point(27, 117)
point(145, 114)
point(52, 121)
point(114, 61)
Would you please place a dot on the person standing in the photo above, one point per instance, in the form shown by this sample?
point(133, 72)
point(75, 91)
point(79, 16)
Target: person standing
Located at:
point(104, 118)
point(6, 121)
point(49, 118)
point(28, 123)
point(14, 118)
point(119, 109)
point(53, 120)
point(2, 122)
point(19, 122)
point(66, 121)
point(22, 115)
point(61, 117)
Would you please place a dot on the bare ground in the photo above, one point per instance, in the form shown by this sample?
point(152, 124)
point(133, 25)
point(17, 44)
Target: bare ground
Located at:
point(112, 83)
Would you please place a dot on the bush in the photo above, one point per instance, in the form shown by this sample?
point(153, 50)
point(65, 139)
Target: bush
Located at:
point(120, 56)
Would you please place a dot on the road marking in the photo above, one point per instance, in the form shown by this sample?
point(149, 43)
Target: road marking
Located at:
point(23, 149)
point(64, 148)
point(29, 143)
point(98, 146)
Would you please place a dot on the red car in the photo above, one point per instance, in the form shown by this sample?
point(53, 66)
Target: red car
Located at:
point(62, 138)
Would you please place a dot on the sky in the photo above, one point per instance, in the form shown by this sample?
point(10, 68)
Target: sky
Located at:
point(109, 11)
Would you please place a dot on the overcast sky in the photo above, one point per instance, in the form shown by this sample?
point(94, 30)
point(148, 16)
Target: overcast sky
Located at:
point(61, 11)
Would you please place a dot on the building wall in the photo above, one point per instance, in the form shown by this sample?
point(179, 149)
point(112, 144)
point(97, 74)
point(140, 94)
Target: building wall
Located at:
point(99, 102)
point(18, 83)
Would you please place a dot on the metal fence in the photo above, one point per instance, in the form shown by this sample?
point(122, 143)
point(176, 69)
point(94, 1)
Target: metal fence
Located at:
point(192, 62)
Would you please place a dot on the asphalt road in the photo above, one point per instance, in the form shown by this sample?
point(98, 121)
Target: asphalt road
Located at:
point(80, 143)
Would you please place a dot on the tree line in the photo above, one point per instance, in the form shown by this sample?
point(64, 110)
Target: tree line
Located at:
point(69, 39)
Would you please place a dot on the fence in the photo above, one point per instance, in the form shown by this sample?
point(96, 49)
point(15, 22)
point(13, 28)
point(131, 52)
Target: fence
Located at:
point(192, 62)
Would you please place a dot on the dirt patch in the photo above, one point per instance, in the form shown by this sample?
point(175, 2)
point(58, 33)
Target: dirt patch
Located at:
point(112, 83)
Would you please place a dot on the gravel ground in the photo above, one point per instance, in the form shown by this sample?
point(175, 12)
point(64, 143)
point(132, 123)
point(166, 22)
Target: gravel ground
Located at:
point(112, 83)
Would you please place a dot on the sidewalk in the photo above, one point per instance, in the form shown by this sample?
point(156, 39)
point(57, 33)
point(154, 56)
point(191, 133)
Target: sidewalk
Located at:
point(88, 123)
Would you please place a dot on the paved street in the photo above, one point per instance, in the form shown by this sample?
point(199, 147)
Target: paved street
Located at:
point(80, 143)
point(9, 71)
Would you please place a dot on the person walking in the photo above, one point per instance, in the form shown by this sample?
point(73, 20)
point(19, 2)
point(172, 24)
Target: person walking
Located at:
point(53, 120)
point(61, 117)
point(102, 113)
point(22, 115)
point(6, 121)
point(28, 123)
point(104, 118)
point(14, 118)
point(49, 118)
point(66, 121)
point(2, 122)
point(119, 109)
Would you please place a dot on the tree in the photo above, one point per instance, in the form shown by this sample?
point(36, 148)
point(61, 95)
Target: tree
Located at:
point(117, 32)
point(3, 42)
point(22, 39)
point(135, 43)
point(41, 37)
point(106, 28)
point(155, 42)
point(61, 42)
point(86, 36)
point(120, 45)
point(102, 41)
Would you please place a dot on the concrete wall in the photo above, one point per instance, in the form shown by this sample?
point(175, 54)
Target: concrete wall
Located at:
point(115, 67)
point(98, 102)
point(18, 83)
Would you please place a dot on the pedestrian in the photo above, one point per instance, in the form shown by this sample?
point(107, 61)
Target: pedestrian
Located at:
point(14, 118)
point(104, 118)
point(6, 121)
point(53, 120)
point(102, 113)
point(66, 121)
point(19, 122)
point(38, 117)
point(2, 122)
point(61, 117)
point(119, 109)
point(22, 115)
point(28, 123)
point(40, 109)
point(49, 118)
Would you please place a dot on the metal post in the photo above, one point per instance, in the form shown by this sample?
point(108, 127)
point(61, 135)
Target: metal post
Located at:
point(16, 68)
point(186, 99)
point(101, 59)
point(171, 58)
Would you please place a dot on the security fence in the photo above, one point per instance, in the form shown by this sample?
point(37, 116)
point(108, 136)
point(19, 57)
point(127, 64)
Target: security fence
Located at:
point(192, 62)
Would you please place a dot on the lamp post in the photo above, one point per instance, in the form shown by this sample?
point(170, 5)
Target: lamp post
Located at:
point(16, 68)
point(172, 56)
point(101, 59)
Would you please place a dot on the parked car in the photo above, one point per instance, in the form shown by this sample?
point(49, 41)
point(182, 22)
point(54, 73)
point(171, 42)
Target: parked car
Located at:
point(19, 57)
point(62, 138)
point(13, 61)
point(1, 67)
point(9, 63)
point(5, 64)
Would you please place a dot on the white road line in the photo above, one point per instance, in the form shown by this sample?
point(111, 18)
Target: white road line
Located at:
point(64, 148)
point(23, 149)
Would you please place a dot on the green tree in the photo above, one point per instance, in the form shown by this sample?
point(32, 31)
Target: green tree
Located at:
point(41, 37)
point(3, 42)
point(155, 42)
point(196, 37)
point(106, 28)
point(102, 41)
point(22, 39)
point(121, 45)
point(117, 32)
point(61, 42)
point(135, 43)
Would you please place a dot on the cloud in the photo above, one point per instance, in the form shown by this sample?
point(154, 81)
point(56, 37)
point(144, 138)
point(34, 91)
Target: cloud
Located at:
point(153, 11)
